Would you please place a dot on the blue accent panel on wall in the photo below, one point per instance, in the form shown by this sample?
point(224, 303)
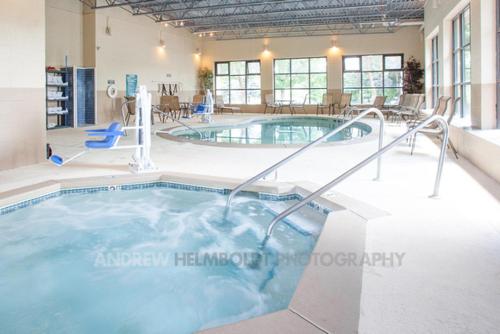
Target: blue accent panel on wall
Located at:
point(85, 95)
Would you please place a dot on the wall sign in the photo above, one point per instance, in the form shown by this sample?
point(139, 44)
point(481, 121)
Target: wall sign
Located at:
point(131, 81)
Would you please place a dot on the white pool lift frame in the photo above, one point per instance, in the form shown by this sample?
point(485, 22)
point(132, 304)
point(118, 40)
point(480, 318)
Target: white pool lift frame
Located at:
point(141, 159)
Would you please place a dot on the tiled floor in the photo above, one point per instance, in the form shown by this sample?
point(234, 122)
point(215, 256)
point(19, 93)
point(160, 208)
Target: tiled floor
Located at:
point(449, 281)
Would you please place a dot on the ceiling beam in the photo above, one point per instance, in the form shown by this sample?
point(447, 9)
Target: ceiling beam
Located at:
point(285, 19)
point(224, 6)
point(121, 4)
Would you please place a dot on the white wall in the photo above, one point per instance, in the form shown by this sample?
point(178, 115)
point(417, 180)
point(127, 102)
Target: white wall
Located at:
point(22, 82)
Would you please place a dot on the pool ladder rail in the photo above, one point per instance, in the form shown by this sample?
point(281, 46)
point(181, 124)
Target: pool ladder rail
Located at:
point(187, 126)
point(377, 155)
point(311, 145)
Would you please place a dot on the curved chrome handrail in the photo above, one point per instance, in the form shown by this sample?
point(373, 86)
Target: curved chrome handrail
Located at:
point(345, 175)
point(311, 145)
point(184, 125)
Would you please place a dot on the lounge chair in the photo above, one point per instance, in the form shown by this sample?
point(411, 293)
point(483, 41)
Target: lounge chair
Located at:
point(128, 110)
point(301, 107)
point(409, 108)
point(439, 109)
point(326, 103)
point(220, 107)
point(173, 107)
point(269, 99)
point(343, 105)
point(377, 103)
point(434, 129)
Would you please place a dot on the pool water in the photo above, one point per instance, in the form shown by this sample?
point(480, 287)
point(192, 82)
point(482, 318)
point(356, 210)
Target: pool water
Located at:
point(285, 130)
point(133, 262)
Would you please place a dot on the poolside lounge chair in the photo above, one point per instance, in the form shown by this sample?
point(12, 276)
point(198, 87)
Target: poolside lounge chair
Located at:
point(326, 103)
point(220, 107)
point(172, 107)
point(345, 102)
point(269, 99)
point(301, 107)
point(377, 103)
point(409, 108)
point(435, 130)
point(439, 109)
point(128, 110)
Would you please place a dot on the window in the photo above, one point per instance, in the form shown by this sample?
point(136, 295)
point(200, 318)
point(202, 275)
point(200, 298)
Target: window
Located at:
point(238, 82)
point(299, 79)
point(435, 70)
point(461, 61)
point(366, 77)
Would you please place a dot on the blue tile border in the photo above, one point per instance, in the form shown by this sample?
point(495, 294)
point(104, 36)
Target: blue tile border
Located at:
point(154, 184)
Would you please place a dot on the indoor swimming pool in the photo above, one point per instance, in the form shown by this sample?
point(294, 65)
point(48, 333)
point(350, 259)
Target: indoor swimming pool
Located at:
point(274, 131)
point(150, 258)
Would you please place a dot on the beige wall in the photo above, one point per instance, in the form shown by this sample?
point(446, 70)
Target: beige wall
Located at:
point(64, 34)
point(132, 48)
point(408, 41)
point(22, 80)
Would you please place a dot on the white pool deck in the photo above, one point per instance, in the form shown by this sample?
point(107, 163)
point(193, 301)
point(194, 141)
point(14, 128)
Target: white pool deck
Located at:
point(449, 281)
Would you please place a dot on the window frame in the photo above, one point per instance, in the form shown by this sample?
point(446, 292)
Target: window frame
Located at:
point(435, 85)
point(458, 54)
point(361, 88)
point(229, 75)
point(309, 72)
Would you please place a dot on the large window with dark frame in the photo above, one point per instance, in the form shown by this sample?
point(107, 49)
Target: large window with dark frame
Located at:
point(435, 70)
point(238, 82)
point(299, 79)
point(366, 77)
point(461, 61)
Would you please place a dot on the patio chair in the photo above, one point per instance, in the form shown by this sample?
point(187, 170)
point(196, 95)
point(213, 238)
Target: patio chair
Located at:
point(345, 102)
point(377, 103)
point(434, 130)
point(220, 107)
point(410, 110)
point(388, 110)
point(439, 109)
point(270, 104)
point(326, 103)
point(173, 107)
point(294, 107)
point(128, 110)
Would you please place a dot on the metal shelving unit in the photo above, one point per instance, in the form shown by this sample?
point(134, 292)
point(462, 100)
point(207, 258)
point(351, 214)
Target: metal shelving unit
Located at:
point(59, 98)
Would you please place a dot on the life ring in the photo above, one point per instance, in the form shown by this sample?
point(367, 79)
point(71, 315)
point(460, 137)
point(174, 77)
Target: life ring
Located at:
point(112, 91)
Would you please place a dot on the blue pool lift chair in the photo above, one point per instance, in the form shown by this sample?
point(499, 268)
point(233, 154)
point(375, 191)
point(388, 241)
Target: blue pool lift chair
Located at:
point(111, 137)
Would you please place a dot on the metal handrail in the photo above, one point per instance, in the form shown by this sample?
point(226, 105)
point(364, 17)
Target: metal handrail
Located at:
point(345, 175)
point(311, 145)
point(184, 125)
